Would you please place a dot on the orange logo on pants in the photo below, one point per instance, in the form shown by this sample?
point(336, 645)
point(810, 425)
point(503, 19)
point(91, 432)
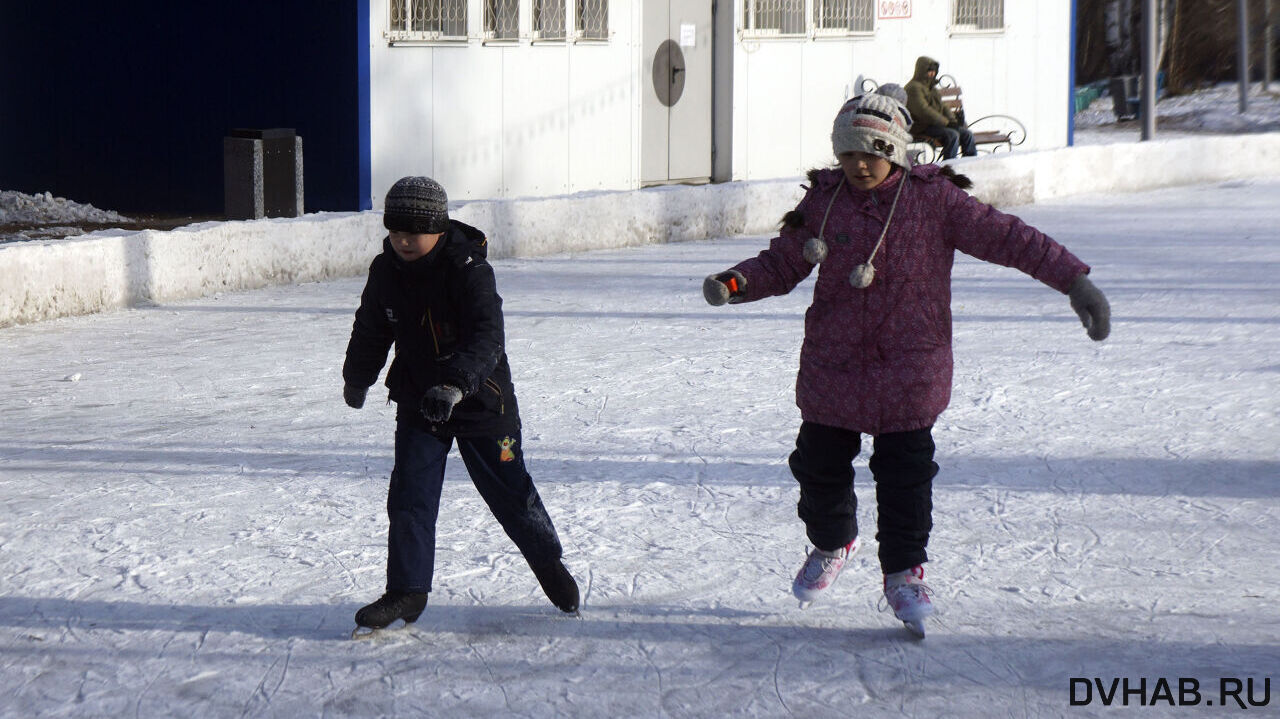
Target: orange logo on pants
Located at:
point(507, 455)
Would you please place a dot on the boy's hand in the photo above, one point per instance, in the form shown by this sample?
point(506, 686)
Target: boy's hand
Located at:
point(354, 396)
point(724, 287)
point(1091, 305)
point(438, 402)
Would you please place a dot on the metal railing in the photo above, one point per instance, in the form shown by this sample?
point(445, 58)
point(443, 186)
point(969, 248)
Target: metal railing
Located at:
point(592, 21)
point(844, 16)
point(979, 14)
point(548, 19)
point(501, 19)
point(764, 18)
point(427, 20)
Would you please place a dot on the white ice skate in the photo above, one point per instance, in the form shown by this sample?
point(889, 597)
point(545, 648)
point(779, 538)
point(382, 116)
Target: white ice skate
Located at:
point(908, 595)
point(820, 571)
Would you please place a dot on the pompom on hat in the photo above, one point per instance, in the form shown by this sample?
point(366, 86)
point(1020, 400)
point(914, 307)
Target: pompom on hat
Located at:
point(875, 124)
point(417, 205)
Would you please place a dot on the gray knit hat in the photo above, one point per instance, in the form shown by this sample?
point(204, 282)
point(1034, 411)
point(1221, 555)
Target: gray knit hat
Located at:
point(874, 124)
point(416, 204)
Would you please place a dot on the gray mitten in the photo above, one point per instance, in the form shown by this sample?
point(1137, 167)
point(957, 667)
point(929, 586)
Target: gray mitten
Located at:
point(438, 402)
point(724, 287)
point(1091, 305)
point(354, 396)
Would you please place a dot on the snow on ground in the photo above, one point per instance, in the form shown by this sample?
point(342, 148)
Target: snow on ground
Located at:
point(1212, 110)
point(43, 216)
point(191, 515)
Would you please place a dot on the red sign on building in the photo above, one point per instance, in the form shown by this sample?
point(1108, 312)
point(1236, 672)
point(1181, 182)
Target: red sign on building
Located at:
point(893, 9)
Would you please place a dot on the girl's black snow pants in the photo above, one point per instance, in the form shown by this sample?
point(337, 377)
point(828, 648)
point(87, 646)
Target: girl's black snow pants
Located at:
point(903, 468)
point(496, 466)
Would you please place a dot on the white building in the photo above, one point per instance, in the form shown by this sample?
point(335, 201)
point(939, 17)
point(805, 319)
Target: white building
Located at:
point(516, 98)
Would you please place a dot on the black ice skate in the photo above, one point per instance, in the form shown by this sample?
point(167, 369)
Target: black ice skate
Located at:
point(559, 586)
point(390, 607)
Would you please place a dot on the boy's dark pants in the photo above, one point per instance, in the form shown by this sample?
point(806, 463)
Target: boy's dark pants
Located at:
point(413, 502)
point(954, 141)
point(903, 467)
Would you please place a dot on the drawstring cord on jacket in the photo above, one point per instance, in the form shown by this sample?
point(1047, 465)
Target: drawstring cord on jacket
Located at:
point(864, 273)
point(815, 248)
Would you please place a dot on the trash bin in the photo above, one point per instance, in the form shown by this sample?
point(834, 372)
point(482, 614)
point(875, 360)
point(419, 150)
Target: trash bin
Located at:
point(262, 173)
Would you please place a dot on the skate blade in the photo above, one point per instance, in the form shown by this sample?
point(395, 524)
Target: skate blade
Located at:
point(916, 627)
point(364, 634)
point(806, 603)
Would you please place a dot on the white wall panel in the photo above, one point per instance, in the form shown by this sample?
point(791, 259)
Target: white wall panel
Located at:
point(468, 137)
point(1022, 71)
point(521, 119)
point(535, 120)
point(828, 78)
point(505, 120)
point(602, 118)
point(767, 125)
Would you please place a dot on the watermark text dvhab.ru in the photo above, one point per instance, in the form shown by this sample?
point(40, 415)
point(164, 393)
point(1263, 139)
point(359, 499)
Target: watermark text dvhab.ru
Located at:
point(1228, 692)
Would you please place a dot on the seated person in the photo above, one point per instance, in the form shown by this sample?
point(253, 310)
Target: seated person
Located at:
point(932, 118)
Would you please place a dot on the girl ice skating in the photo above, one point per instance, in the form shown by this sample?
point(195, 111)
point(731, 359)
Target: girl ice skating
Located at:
point(876, 357)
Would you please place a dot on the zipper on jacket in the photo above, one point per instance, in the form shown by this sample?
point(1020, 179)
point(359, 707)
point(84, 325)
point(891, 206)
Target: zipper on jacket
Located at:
point(431, 328)
point(502, 402)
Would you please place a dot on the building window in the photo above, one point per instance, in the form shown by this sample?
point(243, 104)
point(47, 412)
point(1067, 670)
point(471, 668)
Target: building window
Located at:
point(844, 16)
point(501, 19)
point(773, 17)
point(979, 15)
point(592, 21)
point(548, 19)
point(428, 20)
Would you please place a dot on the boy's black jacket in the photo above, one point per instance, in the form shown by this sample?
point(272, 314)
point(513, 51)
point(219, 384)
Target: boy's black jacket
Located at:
point(444, 315)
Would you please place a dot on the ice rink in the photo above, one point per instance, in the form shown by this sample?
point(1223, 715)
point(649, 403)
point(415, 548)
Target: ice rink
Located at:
point(191, 515)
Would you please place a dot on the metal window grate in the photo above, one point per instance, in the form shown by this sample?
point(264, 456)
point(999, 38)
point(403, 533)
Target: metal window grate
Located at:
point(774, 17)
point(502, 19)
point(427, 19)
point(979, 14)
point(844, 15)
point(592, 21)
point(548, 19)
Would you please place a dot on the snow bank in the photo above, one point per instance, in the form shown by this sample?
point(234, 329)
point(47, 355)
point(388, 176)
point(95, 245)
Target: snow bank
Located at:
point(1022, 178)
point(114, 269)
point(44, 208)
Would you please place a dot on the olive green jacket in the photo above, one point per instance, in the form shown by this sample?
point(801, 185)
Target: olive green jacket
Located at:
point(924, 102)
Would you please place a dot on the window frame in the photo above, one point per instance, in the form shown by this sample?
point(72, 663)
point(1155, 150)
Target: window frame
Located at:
point(580, 32)
point(439, 36)
point(974, 28)
point(537, 10)
point(826, 32)
point(750, 8)
point(492, 14)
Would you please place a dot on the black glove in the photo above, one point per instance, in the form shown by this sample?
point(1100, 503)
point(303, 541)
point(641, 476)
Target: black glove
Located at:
point(354, 396)
point(438, 402)
point(724, 287)
point(1089, 302)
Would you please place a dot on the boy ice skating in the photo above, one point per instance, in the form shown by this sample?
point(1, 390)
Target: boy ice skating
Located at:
point(433, 295)
point(876, 357)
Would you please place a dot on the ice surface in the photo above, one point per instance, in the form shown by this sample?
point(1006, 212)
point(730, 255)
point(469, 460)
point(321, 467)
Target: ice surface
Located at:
point(191, 515)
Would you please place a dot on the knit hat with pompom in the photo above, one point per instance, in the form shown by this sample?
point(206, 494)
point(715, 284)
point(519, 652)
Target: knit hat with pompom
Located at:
point(874, 124)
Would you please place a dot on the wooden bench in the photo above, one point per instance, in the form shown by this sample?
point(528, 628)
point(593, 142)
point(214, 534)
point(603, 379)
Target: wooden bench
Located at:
point(991, 133)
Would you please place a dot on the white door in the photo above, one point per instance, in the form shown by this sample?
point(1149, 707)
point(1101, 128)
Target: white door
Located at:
point(676, 109)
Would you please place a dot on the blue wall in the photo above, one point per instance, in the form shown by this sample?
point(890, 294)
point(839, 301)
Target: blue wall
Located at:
point(124, 105)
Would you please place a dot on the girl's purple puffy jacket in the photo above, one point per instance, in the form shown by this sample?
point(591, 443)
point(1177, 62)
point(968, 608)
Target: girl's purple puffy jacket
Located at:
point(878, 360)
